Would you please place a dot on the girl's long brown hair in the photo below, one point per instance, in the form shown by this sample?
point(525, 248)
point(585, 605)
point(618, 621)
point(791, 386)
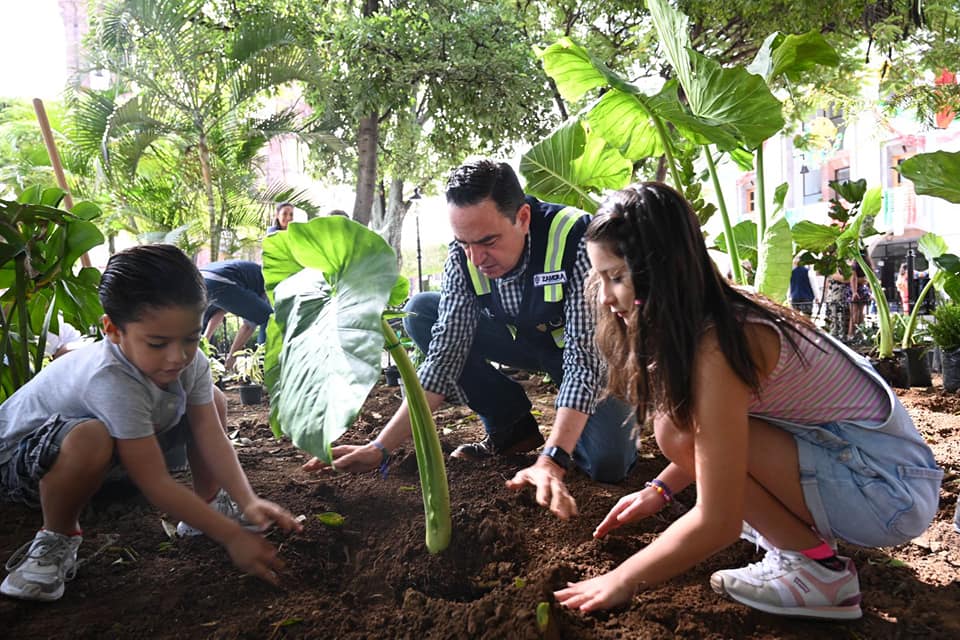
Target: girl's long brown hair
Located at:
point(680, 293)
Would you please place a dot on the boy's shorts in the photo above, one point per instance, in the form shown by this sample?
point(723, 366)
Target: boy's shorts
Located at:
point(20, 475)
point(865, 486)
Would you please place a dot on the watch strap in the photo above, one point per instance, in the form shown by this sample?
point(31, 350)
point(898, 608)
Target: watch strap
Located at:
point(558, 456)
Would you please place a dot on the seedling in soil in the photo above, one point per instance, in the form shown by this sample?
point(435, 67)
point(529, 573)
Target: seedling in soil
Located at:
point(543, 616)
point(331, 519)
point(519, 583)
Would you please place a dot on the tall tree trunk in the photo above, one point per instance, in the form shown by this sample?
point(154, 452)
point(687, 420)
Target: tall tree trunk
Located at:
point(367, 139)
point(395, 212)
point(368, 134)
point(211, 203)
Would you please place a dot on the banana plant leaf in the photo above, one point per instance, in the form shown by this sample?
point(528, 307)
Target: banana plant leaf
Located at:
point(330, 280)
point(934, 174)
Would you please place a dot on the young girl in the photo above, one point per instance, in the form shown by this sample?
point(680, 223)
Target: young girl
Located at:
point(141, 393)
point(777, 424)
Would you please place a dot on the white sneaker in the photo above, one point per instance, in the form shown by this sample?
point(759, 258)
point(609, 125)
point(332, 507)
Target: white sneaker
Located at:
point(788, 583)
point(221, 503)
point(39, 569)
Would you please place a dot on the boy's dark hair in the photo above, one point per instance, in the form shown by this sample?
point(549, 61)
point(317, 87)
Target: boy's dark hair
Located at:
point(150, 275)
point(475, 181)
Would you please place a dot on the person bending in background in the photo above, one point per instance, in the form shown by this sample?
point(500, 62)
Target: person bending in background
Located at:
point(778, 424)
point(235, 286)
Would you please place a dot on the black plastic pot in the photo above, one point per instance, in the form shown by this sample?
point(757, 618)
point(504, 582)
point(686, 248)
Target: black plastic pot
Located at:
point(251, 394)
point(950, 364)
point(391, 376)
point(918, 367)
point(894, 370)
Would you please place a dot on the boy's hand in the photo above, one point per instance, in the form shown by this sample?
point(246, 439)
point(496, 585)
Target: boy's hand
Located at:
point(254, 555)
point(264, 513)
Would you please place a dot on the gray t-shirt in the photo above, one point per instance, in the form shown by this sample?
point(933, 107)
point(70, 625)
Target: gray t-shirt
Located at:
point(99, 382)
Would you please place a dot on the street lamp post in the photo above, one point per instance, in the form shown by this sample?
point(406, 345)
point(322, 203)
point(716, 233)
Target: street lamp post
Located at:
point(415, 202)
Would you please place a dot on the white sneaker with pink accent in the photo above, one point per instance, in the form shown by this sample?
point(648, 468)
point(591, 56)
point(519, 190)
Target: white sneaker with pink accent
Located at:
point(788, 583)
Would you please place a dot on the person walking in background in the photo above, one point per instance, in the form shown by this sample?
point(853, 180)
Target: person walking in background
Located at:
point(236, 286)
point(802, 296)
point(778, 424)
point(903, 288)
point(283, 217)
point(859, 297)
point(837, 305)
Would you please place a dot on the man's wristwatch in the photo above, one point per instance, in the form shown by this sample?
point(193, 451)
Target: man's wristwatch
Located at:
point(558, 456)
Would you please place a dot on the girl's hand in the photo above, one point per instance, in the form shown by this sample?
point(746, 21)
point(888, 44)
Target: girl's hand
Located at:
point(630, 508)
point(264, 513)
point(254, 555)
point(602, 592)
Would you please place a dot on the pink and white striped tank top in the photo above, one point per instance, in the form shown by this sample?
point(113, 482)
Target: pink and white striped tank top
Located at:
point(824, 386)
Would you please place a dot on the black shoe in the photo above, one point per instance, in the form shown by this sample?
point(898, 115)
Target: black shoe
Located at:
point(529, 439)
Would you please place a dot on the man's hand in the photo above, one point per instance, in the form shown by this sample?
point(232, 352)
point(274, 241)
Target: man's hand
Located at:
point(630, 508)
point(349, 458)
point(551, 490)
point(602, 592)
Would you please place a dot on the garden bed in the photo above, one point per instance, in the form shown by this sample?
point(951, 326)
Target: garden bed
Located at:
point(373, 577)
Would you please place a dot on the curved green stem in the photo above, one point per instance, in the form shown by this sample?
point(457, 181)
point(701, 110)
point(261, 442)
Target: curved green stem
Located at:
point(426, 443)
point(914, 313)
point(885, 349)
point(761, 199)
point(732, 250)
point(667, 150)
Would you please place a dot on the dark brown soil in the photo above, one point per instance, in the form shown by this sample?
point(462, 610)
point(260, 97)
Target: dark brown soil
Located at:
point(373, 577)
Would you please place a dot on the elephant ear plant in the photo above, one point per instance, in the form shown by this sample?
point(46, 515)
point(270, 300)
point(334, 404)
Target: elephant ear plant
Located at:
point(331, 280)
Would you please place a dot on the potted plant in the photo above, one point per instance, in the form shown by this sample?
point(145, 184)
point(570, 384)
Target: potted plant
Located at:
point(945, 330)
point(248, 365)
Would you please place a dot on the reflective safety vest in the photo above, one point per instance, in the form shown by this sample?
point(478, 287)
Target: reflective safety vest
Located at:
point(555, 234)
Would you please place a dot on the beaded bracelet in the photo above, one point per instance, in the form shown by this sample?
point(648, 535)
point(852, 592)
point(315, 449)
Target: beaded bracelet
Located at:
point(384, 457)
point(660, 487)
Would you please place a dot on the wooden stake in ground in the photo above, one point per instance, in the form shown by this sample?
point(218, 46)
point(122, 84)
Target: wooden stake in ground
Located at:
point(55, 160)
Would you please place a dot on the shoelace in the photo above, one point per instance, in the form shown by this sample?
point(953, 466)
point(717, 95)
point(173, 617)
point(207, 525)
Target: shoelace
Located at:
point(48, 550)
point(773, 564)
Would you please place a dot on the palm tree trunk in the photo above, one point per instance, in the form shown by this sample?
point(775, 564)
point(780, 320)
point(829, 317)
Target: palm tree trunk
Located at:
point(211, 204)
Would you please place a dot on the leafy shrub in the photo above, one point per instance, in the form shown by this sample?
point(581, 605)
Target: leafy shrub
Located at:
point(945, 328)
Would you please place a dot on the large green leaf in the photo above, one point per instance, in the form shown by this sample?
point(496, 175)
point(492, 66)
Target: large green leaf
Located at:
point(719, 96)
point(575, 71)
point(934, 174)
point(625, 124)
point(81, 236)
point(330, 280)
point(775, 260)
point(788, 55)
point(745, 237)
point(814, 237)
point(565, 166)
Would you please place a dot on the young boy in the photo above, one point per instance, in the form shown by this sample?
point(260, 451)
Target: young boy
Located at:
point(141, 393)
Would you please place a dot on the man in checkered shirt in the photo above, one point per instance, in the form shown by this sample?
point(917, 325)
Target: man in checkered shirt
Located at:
point(513, 294)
